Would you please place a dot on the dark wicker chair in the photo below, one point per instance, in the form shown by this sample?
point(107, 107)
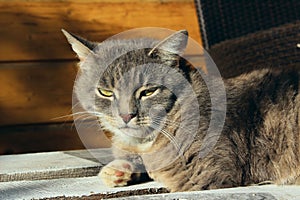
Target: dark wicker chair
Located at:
point(245, 35)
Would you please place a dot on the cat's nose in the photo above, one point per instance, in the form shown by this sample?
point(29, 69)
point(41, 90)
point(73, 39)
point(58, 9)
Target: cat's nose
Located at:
point(127, 117)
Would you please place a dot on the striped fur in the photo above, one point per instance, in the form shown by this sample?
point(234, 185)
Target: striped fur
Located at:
point(260, 140)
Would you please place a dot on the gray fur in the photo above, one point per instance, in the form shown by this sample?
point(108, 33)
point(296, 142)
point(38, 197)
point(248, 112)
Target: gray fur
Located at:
point(260, 140)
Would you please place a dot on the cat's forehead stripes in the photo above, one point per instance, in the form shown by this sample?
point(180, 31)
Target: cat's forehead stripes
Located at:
point(127, 73)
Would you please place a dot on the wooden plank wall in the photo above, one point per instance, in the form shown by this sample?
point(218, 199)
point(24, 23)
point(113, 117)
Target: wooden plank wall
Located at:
point(37, 66)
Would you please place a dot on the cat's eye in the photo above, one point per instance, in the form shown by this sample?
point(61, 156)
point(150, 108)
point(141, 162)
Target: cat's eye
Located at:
point(105, 93)
point(149, 92)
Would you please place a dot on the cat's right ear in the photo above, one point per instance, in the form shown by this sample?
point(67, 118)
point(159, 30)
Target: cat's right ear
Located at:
point(79, 45)
point(175, 43)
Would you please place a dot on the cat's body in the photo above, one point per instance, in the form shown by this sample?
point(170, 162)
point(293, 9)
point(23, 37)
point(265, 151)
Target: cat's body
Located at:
point(259, 142)
point(260, 139)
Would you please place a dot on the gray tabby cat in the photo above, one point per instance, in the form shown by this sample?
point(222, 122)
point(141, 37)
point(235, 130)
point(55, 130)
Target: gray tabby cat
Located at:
point(260, 140)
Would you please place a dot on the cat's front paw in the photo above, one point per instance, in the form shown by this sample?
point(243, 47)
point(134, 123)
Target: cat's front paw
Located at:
point(116, 173)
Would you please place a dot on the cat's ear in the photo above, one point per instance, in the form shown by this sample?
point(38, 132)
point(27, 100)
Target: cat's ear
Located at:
point(175, 43)
point(79, 45)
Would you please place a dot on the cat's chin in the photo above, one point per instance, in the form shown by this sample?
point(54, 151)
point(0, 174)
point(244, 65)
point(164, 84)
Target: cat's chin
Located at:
point(140, 133)
point(133, 139)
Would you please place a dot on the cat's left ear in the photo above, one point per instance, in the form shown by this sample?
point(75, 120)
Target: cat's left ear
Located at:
point(175, 43)
point(79, 45)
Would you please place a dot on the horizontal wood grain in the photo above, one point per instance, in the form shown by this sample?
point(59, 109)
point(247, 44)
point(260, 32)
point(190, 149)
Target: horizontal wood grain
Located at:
point(36, 92)
point(75, 188)
point(48, 137)
point(30, 30)
point(43, 166)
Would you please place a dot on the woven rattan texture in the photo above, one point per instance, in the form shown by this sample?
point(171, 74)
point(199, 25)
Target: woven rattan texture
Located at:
point(273, 48)
point(228, 19)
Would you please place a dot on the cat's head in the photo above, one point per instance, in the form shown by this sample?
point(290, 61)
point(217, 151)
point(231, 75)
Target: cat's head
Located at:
point(131, 85)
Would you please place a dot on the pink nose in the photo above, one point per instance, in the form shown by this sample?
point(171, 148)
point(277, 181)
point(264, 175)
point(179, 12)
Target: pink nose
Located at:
point(127, 117)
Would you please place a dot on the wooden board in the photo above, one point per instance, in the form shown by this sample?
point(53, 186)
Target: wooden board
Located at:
point(32, 176)
point(31, 30)
point(48, 137)
point(63, 173)
point(53, 165)
point(36, 92)
point(70, 188)
point(92, 188)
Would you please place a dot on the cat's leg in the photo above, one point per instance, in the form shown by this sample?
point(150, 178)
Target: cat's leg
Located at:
point(119, 173)
point(126, 169)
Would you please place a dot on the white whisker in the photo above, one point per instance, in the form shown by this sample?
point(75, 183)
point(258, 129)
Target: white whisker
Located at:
point(74, 114)
point(172, 123)
point(170, 137)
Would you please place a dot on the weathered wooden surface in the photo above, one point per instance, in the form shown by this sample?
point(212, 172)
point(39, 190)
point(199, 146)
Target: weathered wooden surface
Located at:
point(30, 30)
point(267, 192)
point(71, 187)
point(69, 173)
point(34, 176)
point(53, 165)
point(89, 187)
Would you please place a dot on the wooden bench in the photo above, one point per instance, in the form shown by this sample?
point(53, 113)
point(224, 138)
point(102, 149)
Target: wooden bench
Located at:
point(72, 175)
point(54, 174)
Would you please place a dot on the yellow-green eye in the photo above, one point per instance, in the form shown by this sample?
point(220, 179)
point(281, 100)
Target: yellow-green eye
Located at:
point(147, 93)
point(105, 93)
